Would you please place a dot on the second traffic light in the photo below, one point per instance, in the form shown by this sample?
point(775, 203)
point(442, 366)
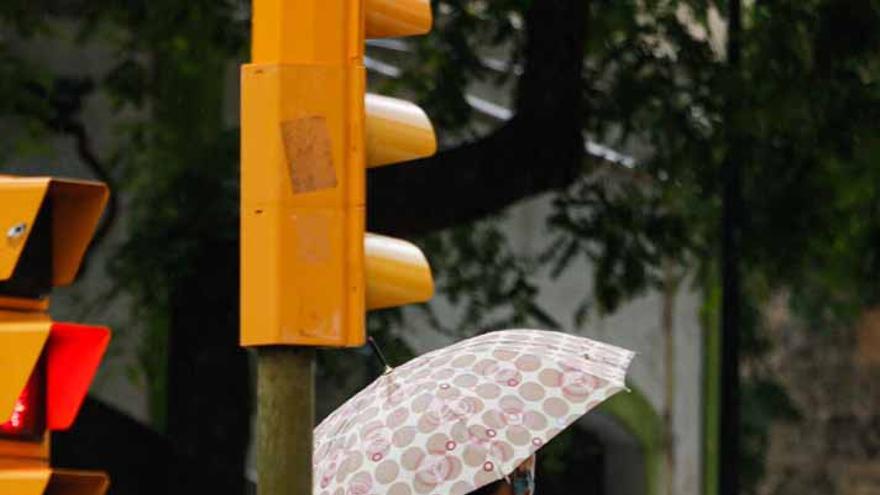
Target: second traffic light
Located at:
point(309, 131)
point(45, 367)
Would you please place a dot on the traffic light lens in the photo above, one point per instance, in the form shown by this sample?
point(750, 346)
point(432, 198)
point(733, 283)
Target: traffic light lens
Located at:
point(26, 421)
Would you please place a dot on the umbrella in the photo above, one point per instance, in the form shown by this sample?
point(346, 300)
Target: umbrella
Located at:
point(461, 417)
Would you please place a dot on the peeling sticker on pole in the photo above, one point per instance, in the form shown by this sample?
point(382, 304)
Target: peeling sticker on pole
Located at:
point(309, 154)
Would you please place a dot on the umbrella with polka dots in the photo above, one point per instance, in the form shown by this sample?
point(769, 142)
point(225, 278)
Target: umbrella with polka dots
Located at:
point(463, 416)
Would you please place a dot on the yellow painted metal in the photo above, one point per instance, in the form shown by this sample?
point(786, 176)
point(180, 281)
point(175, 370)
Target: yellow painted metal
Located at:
point(396, 131)
point(70, 482)
point(22, 337)
point(386, 18)
point(17, 454)
point(397, 273)
point(304, 153)
point(77, 207)
point(302, 205)
point(25, 326)
point(24, 481)
point(329, 31)
point(306, 32)
point(20, 200)
point(23, 304)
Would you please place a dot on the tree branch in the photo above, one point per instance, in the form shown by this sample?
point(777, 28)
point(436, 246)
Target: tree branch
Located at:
point(540, 149)
point(65, 102)
point(87, 155)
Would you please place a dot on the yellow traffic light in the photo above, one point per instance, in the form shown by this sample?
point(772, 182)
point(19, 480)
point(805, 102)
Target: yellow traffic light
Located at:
point(302, 205)
point(35, 210)
point(46, 367)
point(387, 18)
point(309, 131)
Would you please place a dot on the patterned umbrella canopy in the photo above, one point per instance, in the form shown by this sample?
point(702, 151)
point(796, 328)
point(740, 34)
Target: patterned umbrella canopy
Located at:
point(461, 417)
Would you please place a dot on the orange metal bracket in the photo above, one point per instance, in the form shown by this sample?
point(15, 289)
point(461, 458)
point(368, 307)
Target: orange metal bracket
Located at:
point(46, 481)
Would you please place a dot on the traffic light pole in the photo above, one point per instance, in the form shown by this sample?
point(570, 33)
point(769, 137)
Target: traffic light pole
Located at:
point(285, 418)
point(309, 272)
point(729, 481)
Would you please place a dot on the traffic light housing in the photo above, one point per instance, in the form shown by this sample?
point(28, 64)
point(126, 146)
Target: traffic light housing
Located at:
point(309, 131)
point(34, 212)
point(52, 482)
point(46, 367)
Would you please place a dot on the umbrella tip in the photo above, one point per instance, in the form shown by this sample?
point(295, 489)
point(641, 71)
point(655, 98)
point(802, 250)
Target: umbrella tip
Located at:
point(378, 352)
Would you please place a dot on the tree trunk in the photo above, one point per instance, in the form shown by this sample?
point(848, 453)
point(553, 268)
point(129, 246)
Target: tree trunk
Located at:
point(540, 149)
point(209, 383)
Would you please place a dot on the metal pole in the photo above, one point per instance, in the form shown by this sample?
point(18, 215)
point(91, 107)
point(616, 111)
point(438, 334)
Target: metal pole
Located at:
point(731, 228)
point(285, 418)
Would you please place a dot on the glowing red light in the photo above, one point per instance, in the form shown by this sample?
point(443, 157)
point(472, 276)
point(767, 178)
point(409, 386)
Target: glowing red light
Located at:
point(56, 389)
point(26, 418)
point(74, 353)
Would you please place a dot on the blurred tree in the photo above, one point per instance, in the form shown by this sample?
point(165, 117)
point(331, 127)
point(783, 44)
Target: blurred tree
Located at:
point(648, 75)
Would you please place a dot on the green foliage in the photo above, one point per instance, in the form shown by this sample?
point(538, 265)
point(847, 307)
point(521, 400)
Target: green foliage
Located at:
point(447, 60)
point(802, 108)
point(623, 229)
point(488, 284)
point(177, 158)
point(632, 410)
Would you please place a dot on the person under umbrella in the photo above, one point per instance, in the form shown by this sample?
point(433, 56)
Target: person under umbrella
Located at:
point(520, 482)
point(463, 417)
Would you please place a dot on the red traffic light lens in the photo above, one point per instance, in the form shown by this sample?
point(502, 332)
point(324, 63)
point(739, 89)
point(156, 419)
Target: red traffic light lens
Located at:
point(27, 420)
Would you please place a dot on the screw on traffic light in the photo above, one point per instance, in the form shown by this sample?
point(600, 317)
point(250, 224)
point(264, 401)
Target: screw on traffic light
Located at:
point(46, 367)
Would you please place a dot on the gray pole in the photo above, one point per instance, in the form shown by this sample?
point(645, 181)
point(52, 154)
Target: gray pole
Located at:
point(731, 232)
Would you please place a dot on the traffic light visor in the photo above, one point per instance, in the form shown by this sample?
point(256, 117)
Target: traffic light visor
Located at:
point(74, 353)
point(396, 131)
point(70, 482)
point(76, 209)
point(72, 356)
point(390, 18)
point(397, 272)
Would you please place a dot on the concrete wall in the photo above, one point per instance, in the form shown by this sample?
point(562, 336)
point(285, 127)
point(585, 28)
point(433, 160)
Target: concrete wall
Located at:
point(833, 378)
point(637, 325)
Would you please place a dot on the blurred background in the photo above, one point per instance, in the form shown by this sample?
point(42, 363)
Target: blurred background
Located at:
point(594, 154)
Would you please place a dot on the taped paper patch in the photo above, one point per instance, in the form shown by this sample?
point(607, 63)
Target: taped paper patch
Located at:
point(309, 153)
